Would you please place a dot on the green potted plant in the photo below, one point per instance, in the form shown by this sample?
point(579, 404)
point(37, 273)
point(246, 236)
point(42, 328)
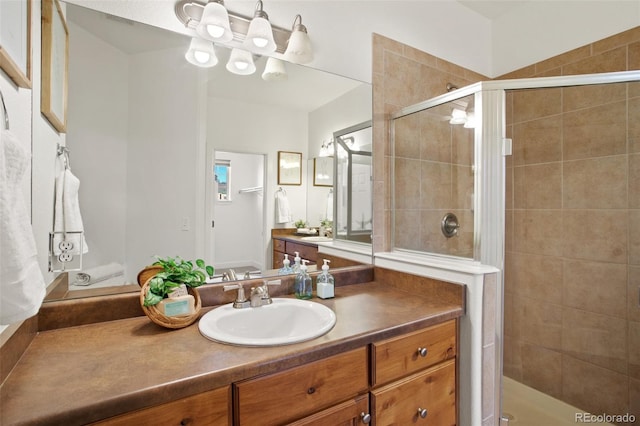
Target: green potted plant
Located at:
point(300, 223)
point(175, 271)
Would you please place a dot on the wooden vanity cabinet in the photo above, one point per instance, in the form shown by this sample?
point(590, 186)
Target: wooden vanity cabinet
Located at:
point(299, 392)
point(207, 409)
point(281, 246)
point(410, 379)
point(414, 378)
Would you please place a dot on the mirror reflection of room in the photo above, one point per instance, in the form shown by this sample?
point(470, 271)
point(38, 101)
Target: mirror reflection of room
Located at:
point(147, 146)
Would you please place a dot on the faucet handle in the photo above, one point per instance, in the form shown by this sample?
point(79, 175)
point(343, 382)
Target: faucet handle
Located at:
point(241, 300)
point(266, 298)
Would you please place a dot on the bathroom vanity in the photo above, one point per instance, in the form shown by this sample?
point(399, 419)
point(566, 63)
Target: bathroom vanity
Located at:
point(391, 355)
point(285, 241)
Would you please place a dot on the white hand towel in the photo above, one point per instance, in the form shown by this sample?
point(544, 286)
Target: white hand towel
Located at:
point(329, 212)
point(283, 211)
point(67, 217)
point(22, 286)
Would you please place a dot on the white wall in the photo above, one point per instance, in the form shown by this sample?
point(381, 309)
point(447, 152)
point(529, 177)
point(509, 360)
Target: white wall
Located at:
point(97, 139)
point(164, 157)
point(240, 127)
point(538, 30)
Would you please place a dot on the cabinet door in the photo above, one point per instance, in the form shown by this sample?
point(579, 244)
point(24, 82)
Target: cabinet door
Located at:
point(427, 398)
point(350, 413)
point(293, 394)
point(206, 409)
point(407, 354)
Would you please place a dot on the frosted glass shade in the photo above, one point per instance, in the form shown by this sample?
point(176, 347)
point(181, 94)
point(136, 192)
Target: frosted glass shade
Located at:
point(241, 62)
point(214, 24)
point(201, 53)
point(299, 49)
point(274, 70)
point(260, 36)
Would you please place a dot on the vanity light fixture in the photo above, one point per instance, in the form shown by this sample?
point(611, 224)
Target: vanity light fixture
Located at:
point(201, 53)
point(274, 70)
point(326, 150)
point(241, 62)
point(259, 37)
point(299, 49)
point(214, 22)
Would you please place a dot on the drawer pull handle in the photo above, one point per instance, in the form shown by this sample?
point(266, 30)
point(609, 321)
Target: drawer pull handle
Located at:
point(366, 418)
point(422, 412)
point(422, 352)
point(311, 390)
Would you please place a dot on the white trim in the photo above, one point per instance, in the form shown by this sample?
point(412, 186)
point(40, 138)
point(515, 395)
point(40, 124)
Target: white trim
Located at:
point(348, 250)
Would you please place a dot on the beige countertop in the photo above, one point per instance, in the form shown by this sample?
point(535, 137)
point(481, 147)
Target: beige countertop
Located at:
point(86, 373)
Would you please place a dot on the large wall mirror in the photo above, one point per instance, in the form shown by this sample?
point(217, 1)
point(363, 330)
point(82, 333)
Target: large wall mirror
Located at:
point(146, 130)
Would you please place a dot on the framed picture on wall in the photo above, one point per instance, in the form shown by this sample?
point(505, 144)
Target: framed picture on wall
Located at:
point(15, 41)
point(289, 168)
point(55, 65)
point(323, 171)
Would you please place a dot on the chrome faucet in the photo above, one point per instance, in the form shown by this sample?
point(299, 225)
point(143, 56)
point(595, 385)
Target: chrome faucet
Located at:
point(230, 275)
point(260, 295)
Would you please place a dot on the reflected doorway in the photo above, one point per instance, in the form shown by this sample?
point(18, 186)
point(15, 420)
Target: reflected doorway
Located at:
point(237, 204)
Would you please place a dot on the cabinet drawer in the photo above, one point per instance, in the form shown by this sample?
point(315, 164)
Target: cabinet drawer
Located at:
point(431, 393)
point(349, 413)
point(206, 409)
point(296, 393)
point(278, 245)
point(306, 252)
point(398, 357)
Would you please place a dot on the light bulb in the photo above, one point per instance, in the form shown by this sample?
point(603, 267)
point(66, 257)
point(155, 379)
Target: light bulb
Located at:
point(242, 65)
point(201, 53)
point(215, 31)
point(201, 57)
point(260, 41)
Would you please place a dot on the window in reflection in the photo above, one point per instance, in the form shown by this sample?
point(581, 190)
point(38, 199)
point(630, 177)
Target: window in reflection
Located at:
point(222, 173)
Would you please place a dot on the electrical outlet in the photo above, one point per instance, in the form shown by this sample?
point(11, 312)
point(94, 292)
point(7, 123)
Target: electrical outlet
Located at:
point(185, 224)
point(65, 245)
point(65, 257)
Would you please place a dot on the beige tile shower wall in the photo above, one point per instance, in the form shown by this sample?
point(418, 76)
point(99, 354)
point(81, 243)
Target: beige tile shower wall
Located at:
point(403, 76)
point(572, 314)
point(433, 176)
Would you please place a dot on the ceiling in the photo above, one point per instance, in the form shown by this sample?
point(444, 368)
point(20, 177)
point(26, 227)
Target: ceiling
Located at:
point(491, 9)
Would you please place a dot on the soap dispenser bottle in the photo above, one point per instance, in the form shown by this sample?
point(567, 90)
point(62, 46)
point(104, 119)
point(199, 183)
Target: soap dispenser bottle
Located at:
point(303, 285)
point(296, 263)
point(325, 283)
point(286, 268)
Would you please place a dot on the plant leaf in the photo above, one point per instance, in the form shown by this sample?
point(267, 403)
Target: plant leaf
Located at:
point(151, 299)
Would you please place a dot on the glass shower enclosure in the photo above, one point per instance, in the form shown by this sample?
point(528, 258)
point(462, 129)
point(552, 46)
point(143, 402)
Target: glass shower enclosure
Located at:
point(539, 178)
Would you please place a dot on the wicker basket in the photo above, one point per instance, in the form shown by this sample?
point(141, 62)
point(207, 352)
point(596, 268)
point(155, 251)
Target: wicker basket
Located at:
point(147, 273)
point(159, 318)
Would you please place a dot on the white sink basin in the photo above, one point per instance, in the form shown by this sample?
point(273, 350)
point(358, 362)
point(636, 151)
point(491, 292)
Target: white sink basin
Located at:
point(283, 322)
